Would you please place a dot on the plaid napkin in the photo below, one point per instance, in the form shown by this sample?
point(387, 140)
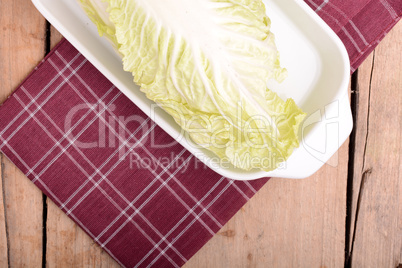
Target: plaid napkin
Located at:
point(361, 24)
point(130, 186)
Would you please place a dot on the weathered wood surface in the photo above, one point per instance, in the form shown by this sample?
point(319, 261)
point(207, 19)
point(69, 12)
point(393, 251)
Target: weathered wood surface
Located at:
point(287, 224)
point(377, 184)
point(22, 35)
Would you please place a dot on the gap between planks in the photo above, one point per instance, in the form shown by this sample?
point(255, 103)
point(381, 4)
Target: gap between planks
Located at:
point(354, 103)
point(44, 197)
point(3, 192)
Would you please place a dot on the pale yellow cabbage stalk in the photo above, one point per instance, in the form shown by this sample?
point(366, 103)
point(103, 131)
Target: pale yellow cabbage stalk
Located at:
point(207, 63)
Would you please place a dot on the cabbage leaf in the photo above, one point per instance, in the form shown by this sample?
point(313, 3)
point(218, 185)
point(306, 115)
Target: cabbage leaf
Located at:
point(207, 63)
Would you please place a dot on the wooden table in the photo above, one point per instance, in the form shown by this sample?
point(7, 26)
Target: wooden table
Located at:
point(353, 205)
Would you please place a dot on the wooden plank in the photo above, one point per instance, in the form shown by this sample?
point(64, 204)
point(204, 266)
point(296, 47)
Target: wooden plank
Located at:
point(289, 223)
point(377, 195)
point(55, 37)
point(67, 245)
point(23, 203)
point(360, 128)
point(21, 49)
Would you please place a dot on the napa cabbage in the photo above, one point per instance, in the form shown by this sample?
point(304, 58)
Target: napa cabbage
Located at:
point(207, 63)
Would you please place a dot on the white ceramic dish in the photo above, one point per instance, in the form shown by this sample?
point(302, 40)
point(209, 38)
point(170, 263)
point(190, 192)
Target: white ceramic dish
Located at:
point(316, 59)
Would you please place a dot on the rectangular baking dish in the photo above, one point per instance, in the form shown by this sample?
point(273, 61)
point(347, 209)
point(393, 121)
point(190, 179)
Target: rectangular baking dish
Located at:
point(316, 60)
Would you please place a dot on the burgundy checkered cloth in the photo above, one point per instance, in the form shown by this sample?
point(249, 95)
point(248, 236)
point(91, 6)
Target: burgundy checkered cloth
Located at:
point(141, 196)
point(361, 24)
